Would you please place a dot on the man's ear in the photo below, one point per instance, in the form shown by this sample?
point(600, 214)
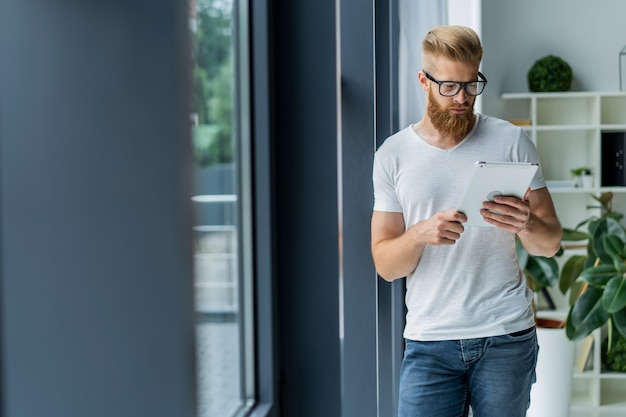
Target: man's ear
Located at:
point(423, 81)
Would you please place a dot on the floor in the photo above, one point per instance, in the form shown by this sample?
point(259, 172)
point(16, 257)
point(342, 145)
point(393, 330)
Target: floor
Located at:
point(217, 330)
point(218, 368)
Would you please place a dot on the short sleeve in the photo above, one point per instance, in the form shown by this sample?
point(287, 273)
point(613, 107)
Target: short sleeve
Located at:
point(385, 196)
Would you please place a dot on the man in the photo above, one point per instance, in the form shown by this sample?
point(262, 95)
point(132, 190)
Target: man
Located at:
point(470, 335)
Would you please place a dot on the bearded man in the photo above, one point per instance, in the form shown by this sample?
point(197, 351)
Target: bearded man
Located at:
point(470, 338)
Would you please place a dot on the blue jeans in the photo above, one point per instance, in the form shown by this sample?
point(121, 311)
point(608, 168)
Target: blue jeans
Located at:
point(493, 375)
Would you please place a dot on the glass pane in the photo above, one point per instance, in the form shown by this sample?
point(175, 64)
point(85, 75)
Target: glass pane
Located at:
point(218, 253)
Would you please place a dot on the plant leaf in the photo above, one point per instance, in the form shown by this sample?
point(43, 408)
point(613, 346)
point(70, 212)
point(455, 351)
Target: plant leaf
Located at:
point(590, 261)
point(575, 290)
point(619, 320)
point(604, 199)
point(586, 315)
point(574, 235)
point(614, 247)
point(522, 255)
point(600, 230)
point(595, 229)
point(543, 270)
point(615, 228)
point(582, 223)
point(614, 297)
point(570, 271)
point(593, 225)
point(598, 275)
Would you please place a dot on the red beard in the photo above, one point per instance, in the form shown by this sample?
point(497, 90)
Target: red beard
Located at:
point(450, 124)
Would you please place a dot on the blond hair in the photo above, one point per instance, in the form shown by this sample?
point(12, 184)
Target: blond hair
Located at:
point(458, 43)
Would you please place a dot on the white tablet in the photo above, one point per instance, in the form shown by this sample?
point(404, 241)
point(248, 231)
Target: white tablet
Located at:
point(489, 179)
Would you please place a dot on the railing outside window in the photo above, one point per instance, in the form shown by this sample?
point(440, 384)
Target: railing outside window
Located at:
point(222, 214)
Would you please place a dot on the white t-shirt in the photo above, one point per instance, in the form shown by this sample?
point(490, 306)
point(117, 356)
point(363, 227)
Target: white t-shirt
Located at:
point(475, 287)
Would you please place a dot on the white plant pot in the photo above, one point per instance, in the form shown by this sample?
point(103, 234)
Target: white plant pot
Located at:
point(551, 395)
point(586, 181)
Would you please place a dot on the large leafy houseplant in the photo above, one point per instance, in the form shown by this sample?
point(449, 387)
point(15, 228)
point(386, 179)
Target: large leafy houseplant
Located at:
point(597, 280)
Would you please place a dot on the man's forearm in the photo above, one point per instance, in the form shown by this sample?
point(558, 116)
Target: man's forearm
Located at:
point(398, 257)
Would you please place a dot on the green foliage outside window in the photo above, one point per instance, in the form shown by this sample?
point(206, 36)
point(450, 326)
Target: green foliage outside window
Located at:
point(212, 83)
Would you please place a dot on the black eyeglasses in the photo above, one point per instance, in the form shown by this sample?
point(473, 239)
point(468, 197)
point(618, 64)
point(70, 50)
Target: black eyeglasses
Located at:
point(452, 88)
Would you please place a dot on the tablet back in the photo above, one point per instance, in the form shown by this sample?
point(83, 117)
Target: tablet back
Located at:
point(489, 179)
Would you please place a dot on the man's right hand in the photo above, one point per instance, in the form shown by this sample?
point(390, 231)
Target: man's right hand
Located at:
point(443, 228)
point(396, 251)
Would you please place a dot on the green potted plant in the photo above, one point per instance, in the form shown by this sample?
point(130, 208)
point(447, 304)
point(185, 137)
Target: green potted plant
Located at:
point(550, 73)
point(582, 177)
point(597, 280)
point(586, 313)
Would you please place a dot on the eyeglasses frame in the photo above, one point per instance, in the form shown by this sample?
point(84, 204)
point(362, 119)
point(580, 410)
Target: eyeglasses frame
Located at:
point(462, 85)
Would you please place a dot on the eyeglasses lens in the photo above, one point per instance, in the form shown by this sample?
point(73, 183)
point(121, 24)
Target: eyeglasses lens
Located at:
point(471, 89)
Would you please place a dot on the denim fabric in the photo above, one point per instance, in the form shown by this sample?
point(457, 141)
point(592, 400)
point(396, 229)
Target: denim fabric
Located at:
point(493, 375)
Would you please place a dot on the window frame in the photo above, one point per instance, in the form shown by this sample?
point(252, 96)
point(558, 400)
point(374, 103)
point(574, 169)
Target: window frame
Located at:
point(387, 299)
point(260, 156)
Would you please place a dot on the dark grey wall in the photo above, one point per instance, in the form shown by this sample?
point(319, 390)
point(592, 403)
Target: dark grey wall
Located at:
point(97, 313)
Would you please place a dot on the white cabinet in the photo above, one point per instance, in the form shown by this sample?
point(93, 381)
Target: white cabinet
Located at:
point(569, 130)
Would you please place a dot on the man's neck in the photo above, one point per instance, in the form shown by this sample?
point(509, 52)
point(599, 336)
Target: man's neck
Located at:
point(432, 136)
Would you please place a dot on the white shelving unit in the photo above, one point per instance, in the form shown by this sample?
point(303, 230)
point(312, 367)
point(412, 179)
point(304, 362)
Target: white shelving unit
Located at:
point(596, 392)
point(567, 129)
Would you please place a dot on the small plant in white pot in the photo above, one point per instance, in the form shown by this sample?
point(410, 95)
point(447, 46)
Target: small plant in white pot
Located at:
point(583, 177)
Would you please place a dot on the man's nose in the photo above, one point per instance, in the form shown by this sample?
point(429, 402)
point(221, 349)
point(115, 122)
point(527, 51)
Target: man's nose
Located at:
point(461, 96)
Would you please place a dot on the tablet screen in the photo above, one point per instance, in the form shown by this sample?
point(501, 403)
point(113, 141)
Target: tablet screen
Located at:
point(489, 179)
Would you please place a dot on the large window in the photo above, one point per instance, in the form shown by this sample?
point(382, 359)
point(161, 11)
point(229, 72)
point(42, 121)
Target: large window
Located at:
point(222, 213)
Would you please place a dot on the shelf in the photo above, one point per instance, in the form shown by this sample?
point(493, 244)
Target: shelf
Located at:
point(572, 190)
point(613, 189)
point(614, 375)
point(613, 127)
point(566, 94)
point(594, 191)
